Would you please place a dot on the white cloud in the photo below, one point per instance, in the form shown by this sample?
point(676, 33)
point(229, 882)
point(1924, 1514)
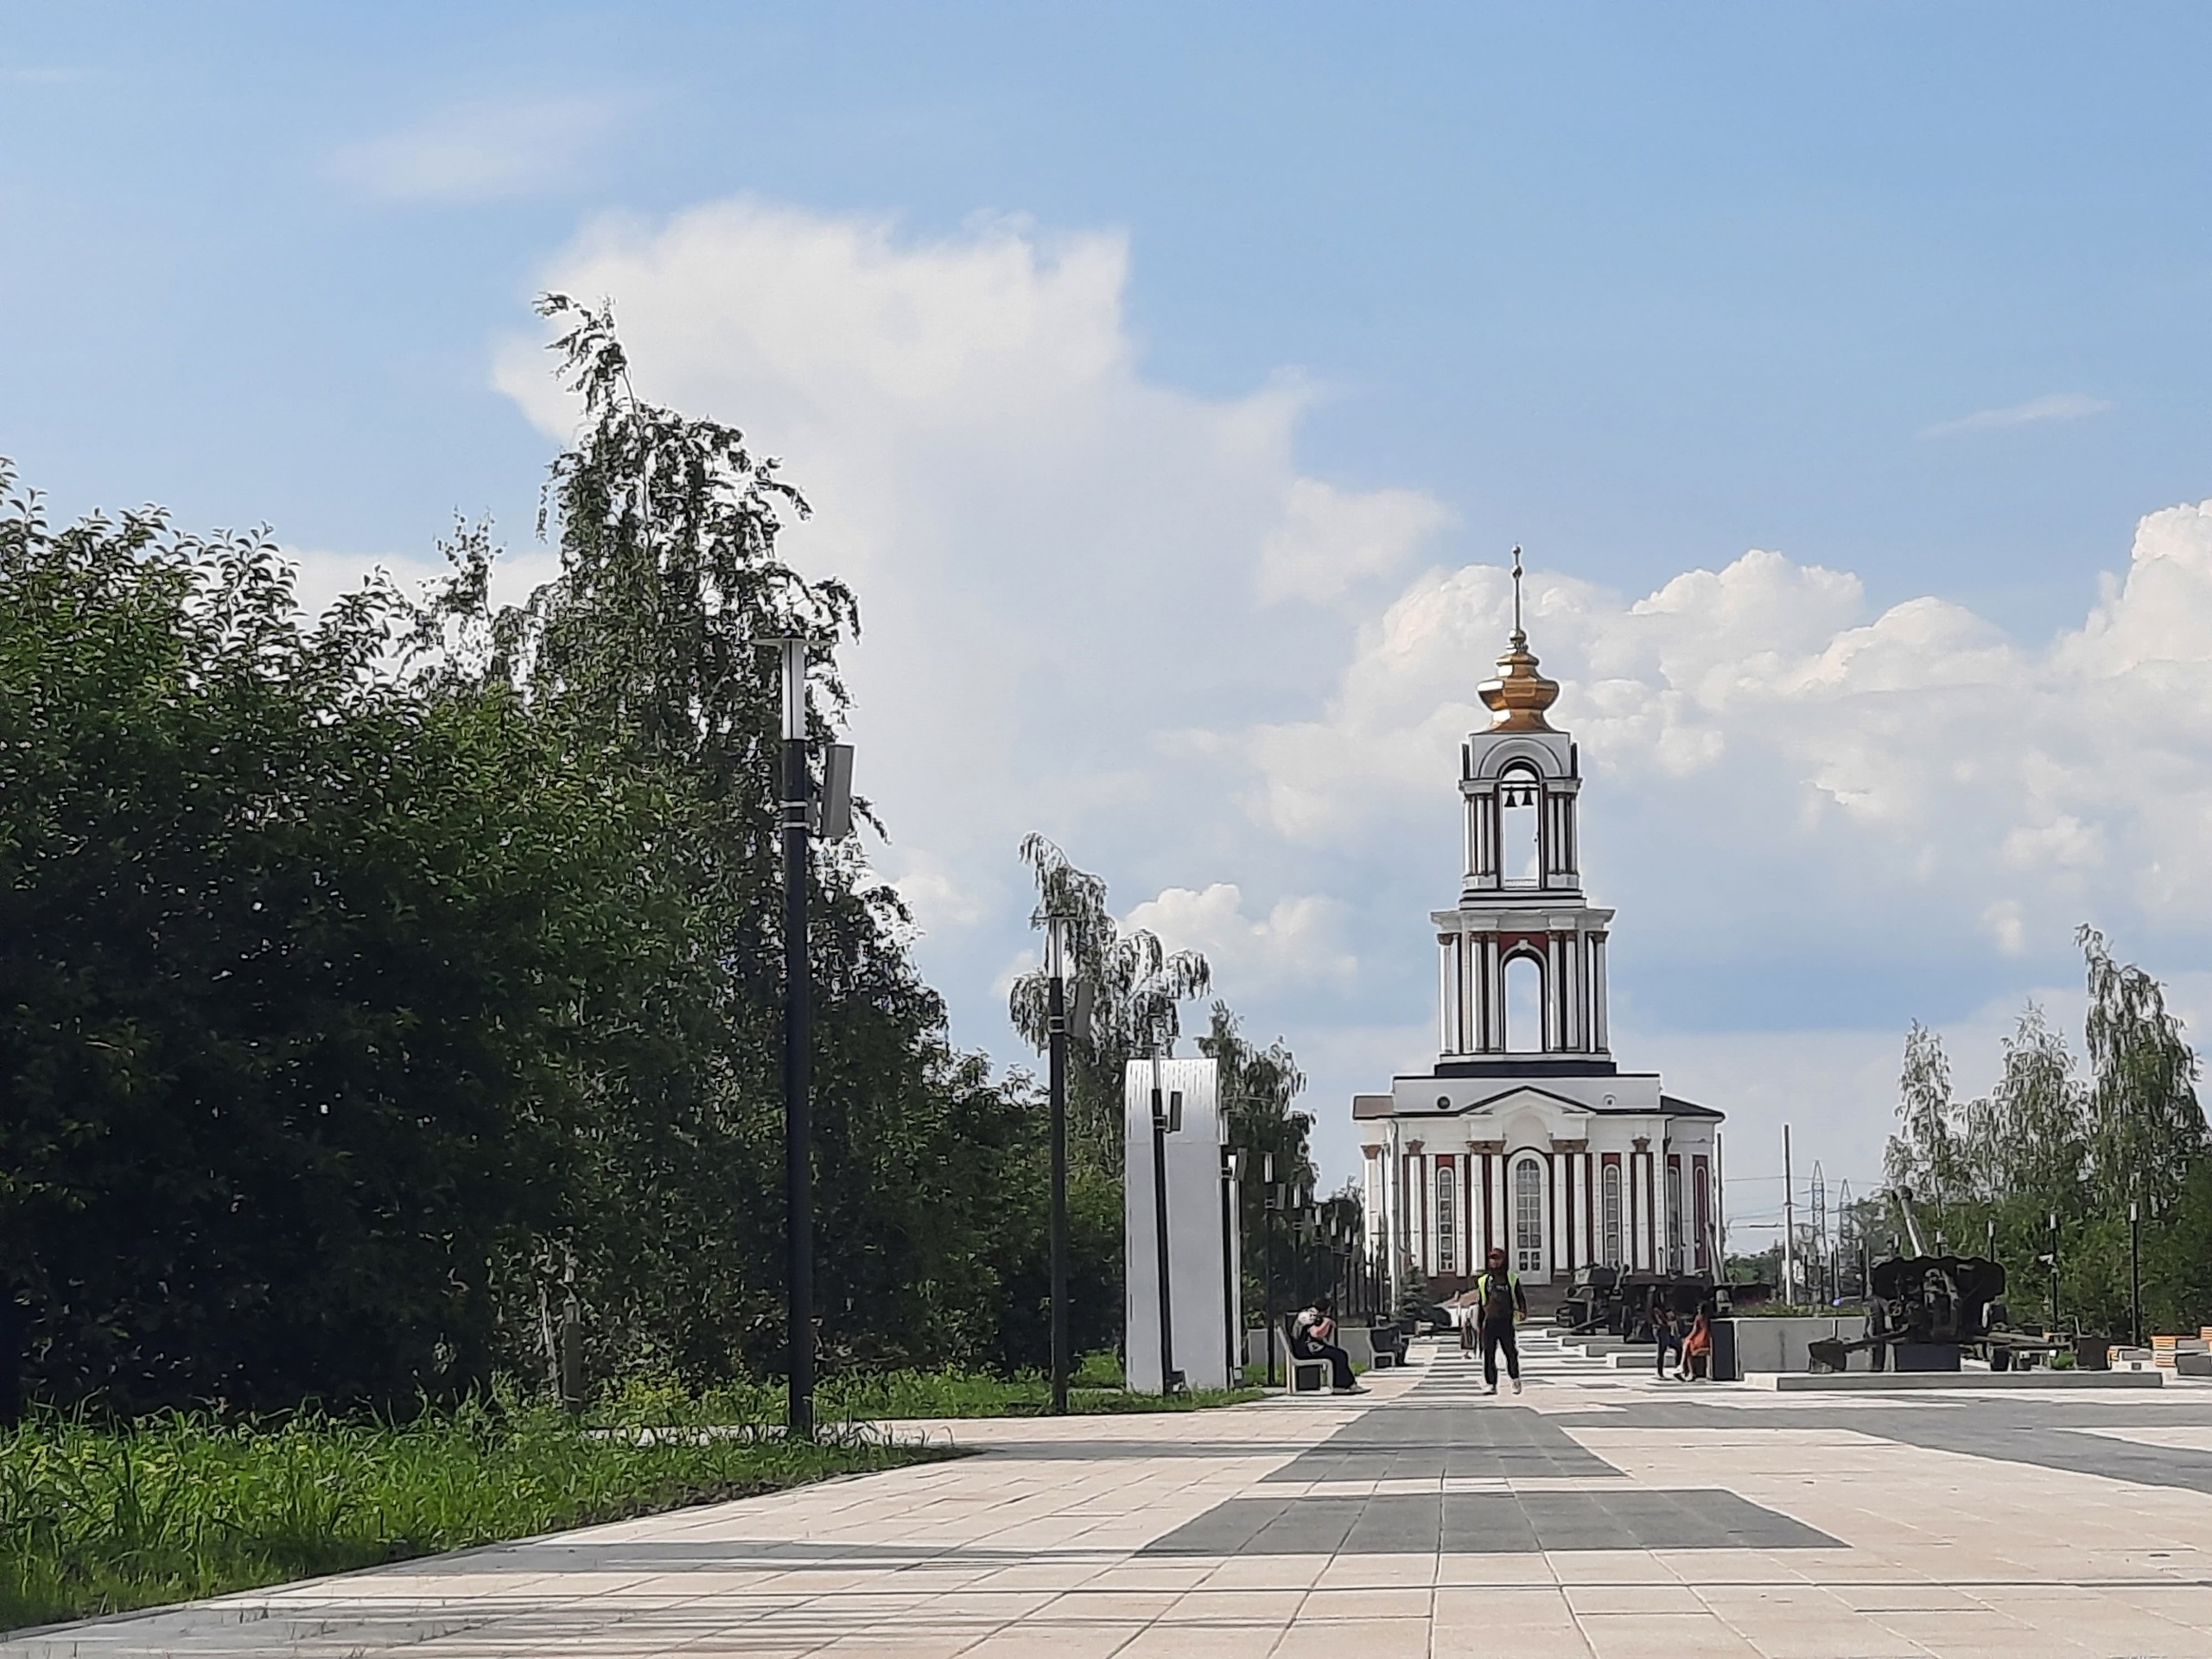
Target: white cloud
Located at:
point(1069, 574)
point(936, 899)
point(1056, 557)
point(480, 152)
point(1300, 938)
point(2053, 406)
point(1918, 753)
point(1331, 539)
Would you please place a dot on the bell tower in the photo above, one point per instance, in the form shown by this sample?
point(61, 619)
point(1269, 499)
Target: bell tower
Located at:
point(1521, 908)
point(1525, 1135)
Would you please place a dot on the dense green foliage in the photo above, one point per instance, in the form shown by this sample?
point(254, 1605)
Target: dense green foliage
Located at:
point(301, 971)
point(2048, 1142)
point(99, 1519)
point(369, 983)
point(362, 979)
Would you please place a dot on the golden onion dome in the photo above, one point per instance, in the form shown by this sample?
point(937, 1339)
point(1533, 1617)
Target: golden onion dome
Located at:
point(1519, 696)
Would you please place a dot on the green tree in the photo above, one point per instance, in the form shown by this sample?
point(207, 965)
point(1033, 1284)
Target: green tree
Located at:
point(298, 967)
point(2146, 1130)
point(1924, 1155)
point(650, 643)
point(1137, 987)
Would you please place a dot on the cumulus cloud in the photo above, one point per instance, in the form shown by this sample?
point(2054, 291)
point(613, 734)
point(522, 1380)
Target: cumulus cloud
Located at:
point(1118, 612)
point(1918, 752)
point(1057, 558)
point(1300, 938)
point(2053, 406)
point(1331, 539)
point(479, 152)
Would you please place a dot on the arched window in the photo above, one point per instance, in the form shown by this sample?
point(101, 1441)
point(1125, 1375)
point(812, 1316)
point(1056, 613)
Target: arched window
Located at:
point(1528, 1216)
point(1612, 1214)
point(1520, 834)
point(1524, 1006)
point(1446, 1220)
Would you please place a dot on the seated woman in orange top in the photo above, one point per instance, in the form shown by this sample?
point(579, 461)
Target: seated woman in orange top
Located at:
point(1697, 1350)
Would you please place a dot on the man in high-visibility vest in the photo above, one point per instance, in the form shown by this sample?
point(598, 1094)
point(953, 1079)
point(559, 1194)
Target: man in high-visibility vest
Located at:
point(1498, 1303)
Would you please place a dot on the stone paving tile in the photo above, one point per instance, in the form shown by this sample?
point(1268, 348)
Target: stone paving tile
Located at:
point(1932, 1531)
point(1661, 1636)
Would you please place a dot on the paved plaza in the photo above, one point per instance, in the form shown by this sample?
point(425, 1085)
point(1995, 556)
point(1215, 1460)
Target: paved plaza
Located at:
point(1601, 1513)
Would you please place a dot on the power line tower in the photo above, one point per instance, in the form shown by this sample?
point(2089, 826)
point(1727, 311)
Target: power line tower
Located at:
point(1820, 1232)
point(1847, 1232)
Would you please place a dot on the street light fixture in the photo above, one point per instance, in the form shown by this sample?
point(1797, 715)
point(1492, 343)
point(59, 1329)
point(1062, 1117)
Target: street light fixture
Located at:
point(2135, 1267)
point(800, 817)
point(1056, 1043)
point(1167, 1120)
point(1270, 1201)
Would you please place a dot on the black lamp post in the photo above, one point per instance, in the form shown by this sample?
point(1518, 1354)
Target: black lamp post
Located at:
point(2135, 1267)
point(801, 817)
point(2054, 1270)
point(1167, 1118)
point(1269, 1200)
point(1056, 1042)
point(1232, 1164)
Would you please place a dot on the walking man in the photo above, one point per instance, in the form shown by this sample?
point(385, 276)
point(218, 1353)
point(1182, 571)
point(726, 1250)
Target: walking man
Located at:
point(1500, 1302)
point(1666, 1335)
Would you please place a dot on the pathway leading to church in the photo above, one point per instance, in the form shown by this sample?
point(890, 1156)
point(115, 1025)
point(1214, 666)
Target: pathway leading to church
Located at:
point(1601, 1513)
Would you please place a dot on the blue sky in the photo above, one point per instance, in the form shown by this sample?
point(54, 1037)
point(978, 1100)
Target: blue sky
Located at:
point(1915, 294)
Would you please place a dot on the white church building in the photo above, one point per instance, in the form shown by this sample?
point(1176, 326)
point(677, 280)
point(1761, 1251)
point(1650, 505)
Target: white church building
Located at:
point(1525, 1133)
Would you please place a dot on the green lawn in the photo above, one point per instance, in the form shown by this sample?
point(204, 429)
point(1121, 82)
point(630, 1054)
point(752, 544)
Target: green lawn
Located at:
point(101, 1518)
point(97, 1519)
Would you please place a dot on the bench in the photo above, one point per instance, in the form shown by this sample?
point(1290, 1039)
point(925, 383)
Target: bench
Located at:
point(1388, 1343)
point(1304, 1375)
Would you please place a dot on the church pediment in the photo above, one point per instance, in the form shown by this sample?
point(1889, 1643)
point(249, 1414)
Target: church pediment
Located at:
point(1523, 1095)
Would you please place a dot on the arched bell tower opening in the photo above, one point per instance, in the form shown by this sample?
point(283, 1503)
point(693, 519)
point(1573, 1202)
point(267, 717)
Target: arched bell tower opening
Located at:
point(1520, 827)
point(1524, 1003)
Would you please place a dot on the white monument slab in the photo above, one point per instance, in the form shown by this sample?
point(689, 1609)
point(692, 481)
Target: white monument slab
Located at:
point(1203, 1270)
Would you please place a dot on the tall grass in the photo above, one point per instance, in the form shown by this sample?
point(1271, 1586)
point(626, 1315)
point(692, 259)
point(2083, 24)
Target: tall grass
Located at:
point(97, 1519)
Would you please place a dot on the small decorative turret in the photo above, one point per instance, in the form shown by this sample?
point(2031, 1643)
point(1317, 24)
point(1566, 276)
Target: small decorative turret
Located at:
point(1519, 696)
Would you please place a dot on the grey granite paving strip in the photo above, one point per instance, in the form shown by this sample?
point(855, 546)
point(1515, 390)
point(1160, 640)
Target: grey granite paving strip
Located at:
point(1044, 1450)
point(1411, 1442)
point(1488, 1524)
point(2046, 1435)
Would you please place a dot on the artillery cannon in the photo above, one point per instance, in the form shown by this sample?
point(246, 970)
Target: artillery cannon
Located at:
point(1932, 1308)
point(1617, 1300)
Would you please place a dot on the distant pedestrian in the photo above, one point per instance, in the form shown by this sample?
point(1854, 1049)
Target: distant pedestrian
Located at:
point(1666, 1335)
point(1313, 1336)
point(1499, 1301)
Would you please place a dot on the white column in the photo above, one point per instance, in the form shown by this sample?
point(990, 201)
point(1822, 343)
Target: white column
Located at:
point(1570, 1003)
point(1493, 998)
point(1554, 997)
point(1446, 1002)
point(1600, 1037)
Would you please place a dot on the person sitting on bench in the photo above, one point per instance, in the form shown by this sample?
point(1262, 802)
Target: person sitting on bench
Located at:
point(1697, 1350)
point(1312, 1336)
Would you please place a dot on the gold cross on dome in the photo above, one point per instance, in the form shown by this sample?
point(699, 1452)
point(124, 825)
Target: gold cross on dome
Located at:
point(1518, 636)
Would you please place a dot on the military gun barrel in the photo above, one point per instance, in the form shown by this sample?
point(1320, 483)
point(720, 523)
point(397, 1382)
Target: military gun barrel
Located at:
point(1903, 1196)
